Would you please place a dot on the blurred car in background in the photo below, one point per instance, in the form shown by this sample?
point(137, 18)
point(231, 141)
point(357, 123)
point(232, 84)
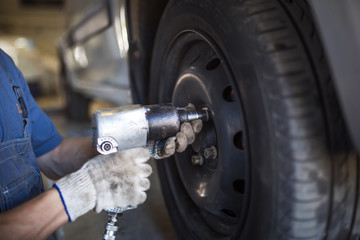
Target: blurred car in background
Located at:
point(280, 78)
point(94, 55)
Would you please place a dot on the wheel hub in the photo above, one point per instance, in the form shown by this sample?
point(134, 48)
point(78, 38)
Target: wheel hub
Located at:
point(218, 181)
point(214, 171)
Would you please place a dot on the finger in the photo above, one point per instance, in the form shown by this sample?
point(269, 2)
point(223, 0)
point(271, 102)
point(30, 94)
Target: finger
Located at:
point(155, 148)
point(137, 155)
point(141, 154)
point(188, 131)
point(141, 198)
point(144, 170)
point(170, 147)
point(197, 125)
point(181, 142)
point(144, 184)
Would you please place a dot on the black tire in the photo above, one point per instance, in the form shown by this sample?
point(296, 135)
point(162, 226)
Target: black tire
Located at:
point(285, 168)
point(76, 104)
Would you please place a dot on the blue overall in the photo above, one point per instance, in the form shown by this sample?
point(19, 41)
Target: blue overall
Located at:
point(25, 133)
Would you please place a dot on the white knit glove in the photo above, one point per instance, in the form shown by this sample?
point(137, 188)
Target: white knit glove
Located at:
point(105, 182)
point(165, 148)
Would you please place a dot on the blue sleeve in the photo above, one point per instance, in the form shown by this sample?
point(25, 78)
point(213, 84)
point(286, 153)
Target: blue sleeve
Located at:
point(44, 136)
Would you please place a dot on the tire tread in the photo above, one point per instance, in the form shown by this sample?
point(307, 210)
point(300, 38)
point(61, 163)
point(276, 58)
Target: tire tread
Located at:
point(274, 26)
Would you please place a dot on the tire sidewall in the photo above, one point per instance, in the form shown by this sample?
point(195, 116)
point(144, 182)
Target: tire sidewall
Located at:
point(223, 24)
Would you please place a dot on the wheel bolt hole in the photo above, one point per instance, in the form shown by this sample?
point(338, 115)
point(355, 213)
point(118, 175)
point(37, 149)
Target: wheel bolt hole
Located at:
point(239, 186)
point(238, 141)
point(214, 63)
point(229, 212)
point(228, 94)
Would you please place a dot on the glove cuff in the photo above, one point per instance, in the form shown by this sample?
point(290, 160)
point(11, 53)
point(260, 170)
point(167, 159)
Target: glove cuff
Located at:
point(77, 193)
point(162, 148)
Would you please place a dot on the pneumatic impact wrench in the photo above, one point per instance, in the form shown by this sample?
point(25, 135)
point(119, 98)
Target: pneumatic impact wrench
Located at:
point(126, 127)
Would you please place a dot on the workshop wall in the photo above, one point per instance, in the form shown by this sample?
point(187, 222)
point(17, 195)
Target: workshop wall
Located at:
point(42, 22)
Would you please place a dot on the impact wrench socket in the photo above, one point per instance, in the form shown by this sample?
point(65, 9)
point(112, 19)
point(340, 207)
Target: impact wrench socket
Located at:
point(120, 128)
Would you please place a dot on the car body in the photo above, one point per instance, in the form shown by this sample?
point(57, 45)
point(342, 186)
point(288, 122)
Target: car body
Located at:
point(98, 66)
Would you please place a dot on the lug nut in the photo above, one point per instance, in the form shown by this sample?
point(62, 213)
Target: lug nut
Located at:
point(210, 152)
point(197, 160)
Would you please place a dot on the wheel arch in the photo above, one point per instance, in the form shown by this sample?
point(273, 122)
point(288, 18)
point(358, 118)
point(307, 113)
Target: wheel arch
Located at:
point(338, 24)
point(143, 21)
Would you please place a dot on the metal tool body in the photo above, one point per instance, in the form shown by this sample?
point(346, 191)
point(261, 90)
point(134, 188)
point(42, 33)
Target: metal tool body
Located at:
point(111, 227)
point(126, 127)
point(120, 128)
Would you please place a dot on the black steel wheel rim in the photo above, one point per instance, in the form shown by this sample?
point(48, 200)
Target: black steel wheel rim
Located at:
point(212, 196)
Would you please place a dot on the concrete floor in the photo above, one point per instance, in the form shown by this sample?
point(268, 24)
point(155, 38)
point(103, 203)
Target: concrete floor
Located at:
point(149, 221)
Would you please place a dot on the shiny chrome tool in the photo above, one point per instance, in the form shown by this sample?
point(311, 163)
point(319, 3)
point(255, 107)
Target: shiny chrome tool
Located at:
point(111, 227)
point(120, 128)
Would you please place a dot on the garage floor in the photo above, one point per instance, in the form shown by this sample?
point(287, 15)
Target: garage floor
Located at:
point(149, 221)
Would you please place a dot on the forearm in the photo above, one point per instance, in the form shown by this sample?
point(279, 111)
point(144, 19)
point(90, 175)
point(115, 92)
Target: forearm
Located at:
point(35, 219)
point(68, 157)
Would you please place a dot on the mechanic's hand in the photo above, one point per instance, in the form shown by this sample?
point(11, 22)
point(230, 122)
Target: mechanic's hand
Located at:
point(105, 182)
point(165, 148)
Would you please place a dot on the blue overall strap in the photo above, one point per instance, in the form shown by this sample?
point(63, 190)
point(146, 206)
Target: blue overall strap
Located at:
point(43, 134)
point(7, 67)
